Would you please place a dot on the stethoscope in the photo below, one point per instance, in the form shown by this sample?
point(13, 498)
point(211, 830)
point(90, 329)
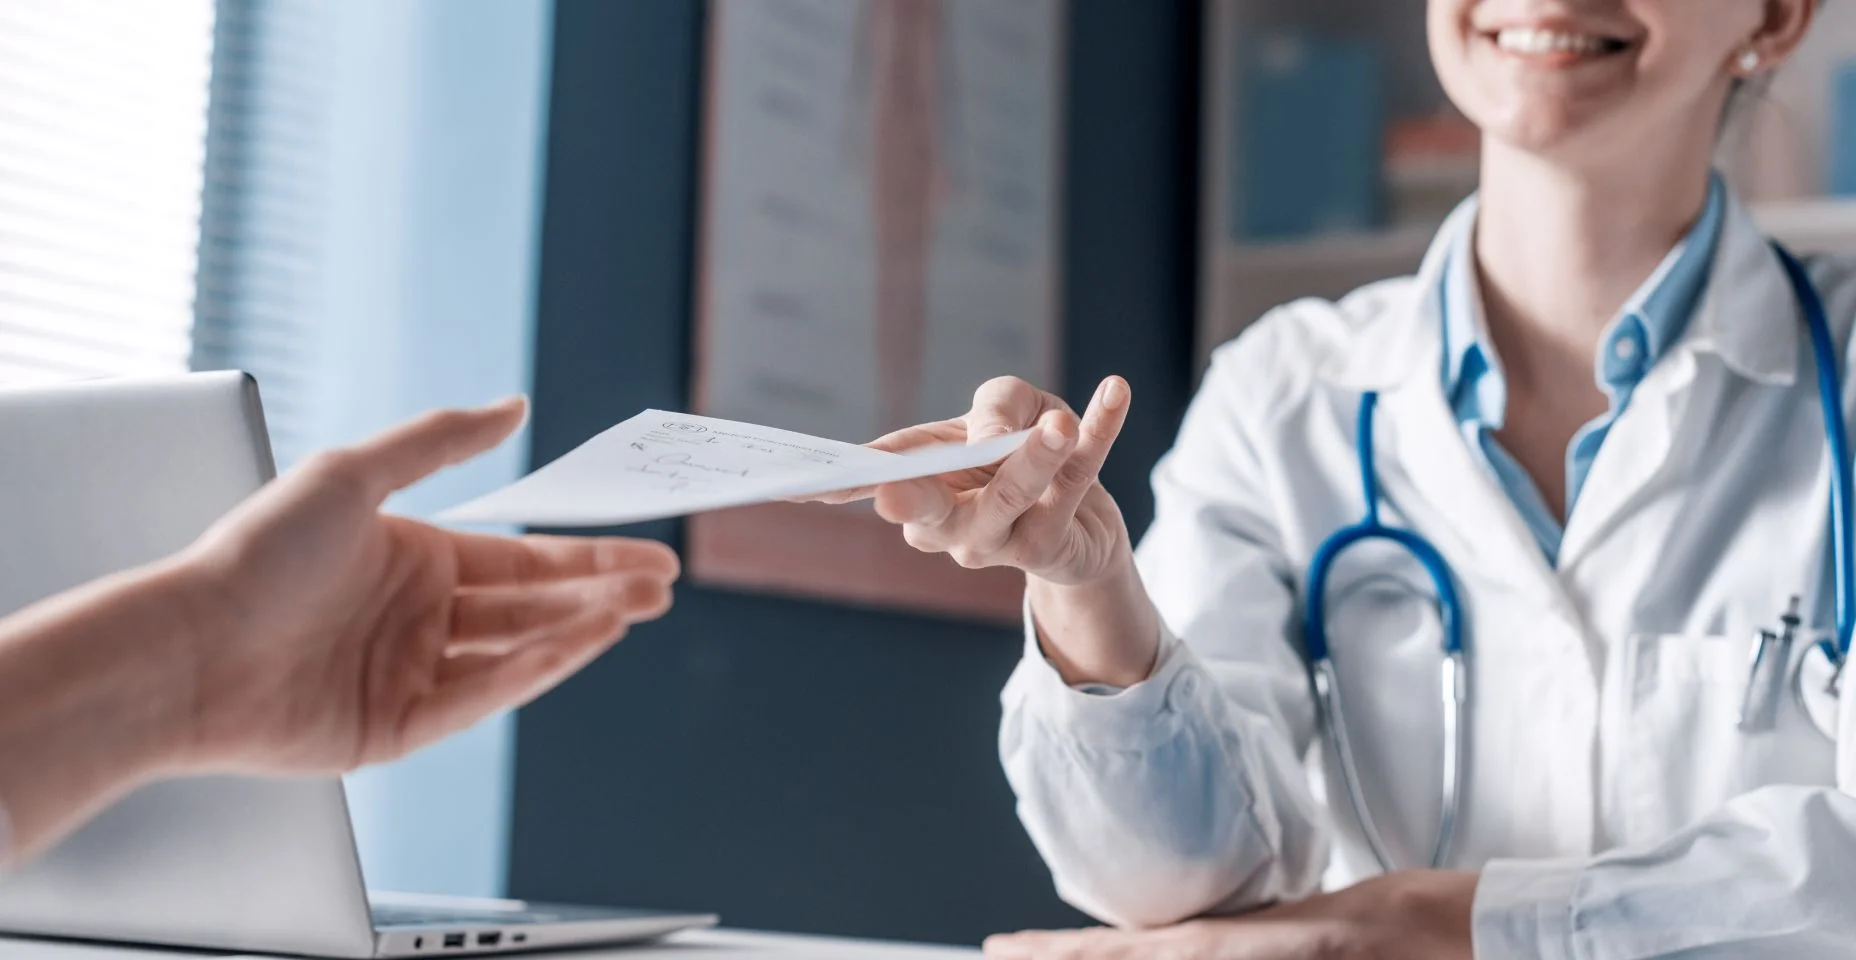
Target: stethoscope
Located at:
point(1771, 656)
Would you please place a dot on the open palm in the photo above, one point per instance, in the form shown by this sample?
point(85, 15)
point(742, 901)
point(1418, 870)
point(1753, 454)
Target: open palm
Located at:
point(361, 636)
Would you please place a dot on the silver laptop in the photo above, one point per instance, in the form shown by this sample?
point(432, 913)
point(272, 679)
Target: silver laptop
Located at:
point(103, 475)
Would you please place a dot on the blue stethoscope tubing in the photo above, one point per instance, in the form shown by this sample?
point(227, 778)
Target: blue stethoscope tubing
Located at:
point(1454, 683)
point(1836, 434)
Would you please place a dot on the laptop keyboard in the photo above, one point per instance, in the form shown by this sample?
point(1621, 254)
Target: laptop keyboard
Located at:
point(400, 915)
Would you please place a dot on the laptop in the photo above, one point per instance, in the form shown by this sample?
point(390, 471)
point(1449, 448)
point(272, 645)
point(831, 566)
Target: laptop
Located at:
point(99, 476)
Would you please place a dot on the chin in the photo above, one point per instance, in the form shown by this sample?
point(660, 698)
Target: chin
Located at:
point(1550, 126)
point(1543, 133)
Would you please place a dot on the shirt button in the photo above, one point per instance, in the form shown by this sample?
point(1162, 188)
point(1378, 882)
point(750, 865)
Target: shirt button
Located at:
point(1183, 691)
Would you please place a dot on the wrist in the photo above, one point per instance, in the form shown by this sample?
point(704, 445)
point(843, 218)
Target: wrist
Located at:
point(1442, 903)
point(1103, 631)
point(174, 607)
point(96, 690)
point(206, 613)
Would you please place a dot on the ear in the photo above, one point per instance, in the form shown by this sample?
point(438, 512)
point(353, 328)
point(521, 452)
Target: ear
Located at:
point(1781, 32)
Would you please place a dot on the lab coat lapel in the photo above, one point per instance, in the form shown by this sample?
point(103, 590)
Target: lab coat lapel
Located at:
point(1433, 481)
point(1635, 452)
point(1749, 320)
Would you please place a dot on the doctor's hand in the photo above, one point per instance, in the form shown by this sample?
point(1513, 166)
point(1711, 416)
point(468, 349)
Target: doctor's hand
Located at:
point(331, 635)
point(1409, 915)
point(1041, 510)
point(1044, 511)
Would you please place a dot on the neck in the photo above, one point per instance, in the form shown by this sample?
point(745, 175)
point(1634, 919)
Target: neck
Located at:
point(1559, 251)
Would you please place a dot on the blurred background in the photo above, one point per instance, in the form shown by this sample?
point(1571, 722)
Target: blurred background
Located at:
point(831, 215)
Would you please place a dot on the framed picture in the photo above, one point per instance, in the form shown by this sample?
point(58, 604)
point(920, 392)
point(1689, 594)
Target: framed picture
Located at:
point(881, 205)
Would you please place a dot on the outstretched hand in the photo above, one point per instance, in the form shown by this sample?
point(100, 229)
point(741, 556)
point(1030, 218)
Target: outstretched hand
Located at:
point(335, 635)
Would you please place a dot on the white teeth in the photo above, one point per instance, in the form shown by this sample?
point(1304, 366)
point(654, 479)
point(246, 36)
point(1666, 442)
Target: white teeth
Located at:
point(1537, 41)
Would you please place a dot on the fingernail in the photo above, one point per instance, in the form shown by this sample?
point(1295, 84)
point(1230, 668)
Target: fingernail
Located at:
point(1114, 393)
point(1053, 437)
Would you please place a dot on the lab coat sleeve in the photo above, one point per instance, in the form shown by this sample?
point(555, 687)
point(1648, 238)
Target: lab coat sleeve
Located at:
point(1771, 874)
point(1184, 794)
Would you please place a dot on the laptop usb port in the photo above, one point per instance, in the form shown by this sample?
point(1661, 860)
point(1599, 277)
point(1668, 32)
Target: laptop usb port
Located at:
point(454, 941)
point(490, 939)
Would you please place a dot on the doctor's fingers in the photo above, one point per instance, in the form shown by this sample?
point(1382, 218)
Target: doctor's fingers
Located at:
point(974, 528)
point(901, 441)
point(1007, 405)
point(1022, 482)
point(927, 501)
point(1096, 434)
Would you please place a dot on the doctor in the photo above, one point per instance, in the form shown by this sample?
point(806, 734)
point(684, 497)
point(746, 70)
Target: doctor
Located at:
point(1598, 402)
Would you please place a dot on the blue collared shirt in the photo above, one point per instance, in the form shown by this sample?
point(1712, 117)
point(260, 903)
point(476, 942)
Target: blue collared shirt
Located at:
point(1650, 321)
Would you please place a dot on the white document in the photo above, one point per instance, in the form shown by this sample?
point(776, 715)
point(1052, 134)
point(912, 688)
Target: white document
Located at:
point(659, 465)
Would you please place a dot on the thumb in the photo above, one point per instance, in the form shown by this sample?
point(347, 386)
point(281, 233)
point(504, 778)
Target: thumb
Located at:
point(421, 447)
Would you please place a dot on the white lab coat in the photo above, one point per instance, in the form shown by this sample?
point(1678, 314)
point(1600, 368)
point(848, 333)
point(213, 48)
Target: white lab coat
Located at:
point(1612, 805)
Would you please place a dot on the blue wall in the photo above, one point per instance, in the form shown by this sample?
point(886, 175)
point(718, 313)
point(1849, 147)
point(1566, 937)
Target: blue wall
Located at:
point(793, 765)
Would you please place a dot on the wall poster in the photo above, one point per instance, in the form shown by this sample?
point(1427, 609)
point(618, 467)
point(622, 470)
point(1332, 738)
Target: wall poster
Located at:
point(880, 235)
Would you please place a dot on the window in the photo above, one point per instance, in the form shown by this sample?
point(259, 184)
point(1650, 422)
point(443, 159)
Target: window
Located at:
point(261, 266)
point(102, 141)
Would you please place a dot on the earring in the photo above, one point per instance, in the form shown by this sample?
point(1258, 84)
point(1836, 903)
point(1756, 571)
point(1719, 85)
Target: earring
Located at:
point(1749, 61)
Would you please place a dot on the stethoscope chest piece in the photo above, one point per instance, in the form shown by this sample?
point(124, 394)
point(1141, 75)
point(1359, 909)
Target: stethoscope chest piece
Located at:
point(1815, 686)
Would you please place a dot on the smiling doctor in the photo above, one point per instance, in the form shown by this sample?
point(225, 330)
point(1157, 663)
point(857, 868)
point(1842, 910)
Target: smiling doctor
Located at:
point(1455, 585)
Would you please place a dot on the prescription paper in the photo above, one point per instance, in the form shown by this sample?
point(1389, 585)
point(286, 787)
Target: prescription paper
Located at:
point(659, 464)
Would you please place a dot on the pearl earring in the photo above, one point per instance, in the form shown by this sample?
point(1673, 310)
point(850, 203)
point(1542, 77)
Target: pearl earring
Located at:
point(1749, 61)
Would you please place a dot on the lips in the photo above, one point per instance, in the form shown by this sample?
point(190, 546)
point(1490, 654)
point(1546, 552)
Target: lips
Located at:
point(1554, 42)
point(1541, 40)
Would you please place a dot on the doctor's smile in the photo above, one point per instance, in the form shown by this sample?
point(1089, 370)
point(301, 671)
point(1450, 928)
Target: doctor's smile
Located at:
point(1549, 40)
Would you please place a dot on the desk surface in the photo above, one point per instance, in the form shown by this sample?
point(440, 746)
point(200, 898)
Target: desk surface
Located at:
point(696, 945)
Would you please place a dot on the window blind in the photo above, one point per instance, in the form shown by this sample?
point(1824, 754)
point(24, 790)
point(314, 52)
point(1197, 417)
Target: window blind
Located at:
point(260, 270)
point(102, 139)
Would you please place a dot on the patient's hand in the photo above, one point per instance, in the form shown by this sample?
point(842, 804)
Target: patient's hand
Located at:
point(331, 635)
point(1416, 914)
point(305, 633)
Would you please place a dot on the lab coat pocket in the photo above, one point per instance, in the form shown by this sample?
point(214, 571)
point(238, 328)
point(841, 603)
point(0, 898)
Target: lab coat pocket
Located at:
point(1683, 751)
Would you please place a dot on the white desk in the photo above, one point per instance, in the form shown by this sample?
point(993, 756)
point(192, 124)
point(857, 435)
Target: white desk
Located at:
point(696, 945)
